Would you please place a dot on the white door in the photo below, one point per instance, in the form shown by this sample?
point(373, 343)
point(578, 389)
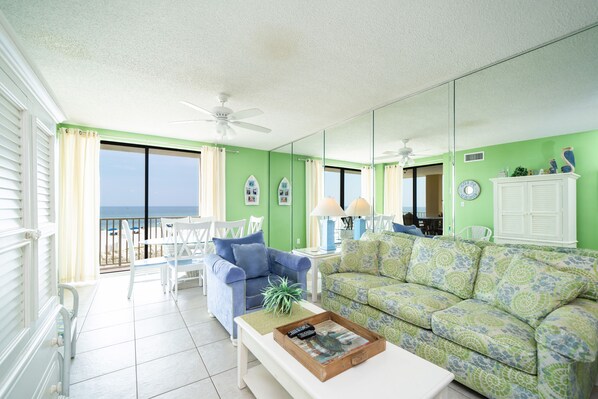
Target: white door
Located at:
point(511, 218)
point(16, 311)
point(545, 210)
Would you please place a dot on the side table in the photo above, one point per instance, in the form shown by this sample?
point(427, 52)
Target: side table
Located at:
point(316, 255)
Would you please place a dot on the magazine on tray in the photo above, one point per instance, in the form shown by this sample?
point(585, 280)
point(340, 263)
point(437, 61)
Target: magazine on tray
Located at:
point(330, 342)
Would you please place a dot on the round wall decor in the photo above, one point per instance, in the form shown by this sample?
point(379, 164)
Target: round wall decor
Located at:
point(469, 190)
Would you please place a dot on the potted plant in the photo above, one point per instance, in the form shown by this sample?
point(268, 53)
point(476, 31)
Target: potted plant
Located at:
point(279, 297)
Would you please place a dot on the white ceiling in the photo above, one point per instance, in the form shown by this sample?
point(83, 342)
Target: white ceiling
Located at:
point(125, 64)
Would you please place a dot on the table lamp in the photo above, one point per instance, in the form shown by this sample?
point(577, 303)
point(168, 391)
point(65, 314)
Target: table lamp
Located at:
point(359, 207)
point(327, 207)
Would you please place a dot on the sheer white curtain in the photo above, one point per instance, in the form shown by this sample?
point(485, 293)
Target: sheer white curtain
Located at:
point(79, 205)
point(212, 182)
point(367, 184)
point(314, 191)
point(393, 192)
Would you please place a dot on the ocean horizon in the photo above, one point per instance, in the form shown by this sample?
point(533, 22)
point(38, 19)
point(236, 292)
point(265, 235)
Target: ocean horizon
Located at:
point(110, 212)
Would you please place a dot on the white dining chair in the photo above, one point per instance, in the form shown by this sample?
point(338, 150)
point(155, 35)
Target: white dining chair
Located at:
point(190, 241)
point(229, 229)
point(477, 233)
point(142, 265)
point(386, 222)
point(167, 223)
point(199, 219)
point(255, 224)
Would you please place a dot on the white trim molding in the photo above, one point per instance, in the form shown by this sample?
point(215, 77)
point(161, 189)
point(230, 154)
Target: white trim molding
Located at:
point(15, 57)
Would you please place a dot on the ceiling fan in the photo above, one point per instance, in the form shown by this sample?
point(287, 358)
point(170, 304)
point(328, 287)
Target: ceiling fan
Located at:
point(225, 117)
point(406, 154)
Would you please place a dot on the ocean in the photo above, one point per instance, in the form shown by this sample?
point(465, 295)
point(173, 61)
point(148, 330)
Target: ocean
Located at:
point(134, 212)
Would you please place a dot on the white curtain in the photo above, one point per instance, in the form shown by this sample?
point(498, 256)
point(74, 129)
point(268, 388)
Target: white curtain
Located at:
point(212, 187)
point(314, 192)
point(393, 192)
point(79, 205)
point(367, 185)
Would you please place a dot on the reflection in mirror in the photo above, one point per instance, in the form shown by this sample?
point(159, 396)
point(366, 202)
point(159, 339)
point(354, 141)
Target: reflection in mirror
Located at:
point(281, 198)
point(413, 162)
point(308, 179)
point(349, 175)
point(525, 112)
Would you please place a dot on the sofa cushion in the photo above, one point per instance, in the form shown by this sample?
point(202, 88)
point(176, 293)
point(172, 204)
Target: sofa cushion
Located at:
point(585, 266)
point(494, 262)
point(355, 286)
point(359, 256)
point(254, 287)
point(394, 234)
point(393, 255)
point(412, 303)
point(447, 265)
point(223, 246)
point(253, 258)
point(530, 289)
point(489, 331)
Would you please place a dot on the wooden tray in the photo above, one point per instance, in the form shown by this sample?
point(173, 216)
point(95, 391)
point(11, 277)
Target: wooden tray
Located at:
point(323, 372)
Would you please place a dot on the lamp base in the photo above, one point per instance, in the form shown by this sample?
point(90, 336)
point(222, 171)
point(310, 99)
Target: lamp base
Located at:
point(327, 235)
point(358, 228)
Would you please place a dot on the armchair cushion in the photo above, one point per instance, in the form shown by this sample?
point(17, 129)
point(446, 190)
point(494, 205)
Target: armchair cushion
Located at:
point(254, 288)
point(252, 258)
point(530, 289)
point(572, 331)
point(223, 270)
point(224, 248)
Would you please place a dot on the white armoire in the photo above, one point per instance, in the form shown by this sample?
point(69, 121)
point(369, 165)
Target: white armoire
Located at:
point(29, 345)
point(537, 209)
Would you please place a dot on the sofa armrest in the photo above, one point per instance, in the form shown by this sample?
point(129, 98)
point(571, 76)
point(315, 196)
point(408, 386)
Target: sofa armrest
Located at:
point(572, 331)
point(330, 266)
point(223, 270)
point(291, 261)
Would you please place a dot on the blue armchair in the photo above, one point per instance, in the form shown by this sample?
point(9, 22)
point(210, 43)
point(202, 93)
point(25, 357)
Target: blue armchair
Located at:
point(231, 294)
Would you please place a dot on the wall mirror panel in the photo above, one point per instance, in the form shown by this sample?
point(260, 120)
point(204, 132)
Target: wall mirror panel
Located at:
point(522, 113)
point(413, 163)
point(281, 198)
point(308, 187)
point(349, 173)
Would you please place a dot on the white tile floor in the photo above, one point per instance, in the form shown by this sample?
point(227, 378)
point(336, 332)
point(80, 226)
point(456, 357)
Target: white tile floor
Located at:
point(152, 347)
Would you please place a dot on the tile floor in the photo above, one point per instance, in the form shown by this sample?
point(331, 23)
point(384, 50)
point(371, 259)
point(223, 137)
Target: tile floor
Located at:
point(152, 347)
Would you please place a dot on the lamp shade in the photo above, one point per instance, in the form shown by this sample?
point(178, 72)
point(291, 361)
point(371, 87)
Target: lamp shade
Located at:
point(328, 207)
point(359, 207)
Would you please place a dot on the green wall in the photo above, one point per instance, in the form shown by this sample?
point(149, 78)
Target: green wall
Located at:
point(533, 154)
point(281, 215)
point(238, 168)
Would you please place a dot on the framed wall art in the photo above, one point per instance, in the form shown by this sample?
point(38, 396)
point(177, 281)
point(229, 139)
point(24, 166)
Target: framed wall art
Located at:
point(284, 192)
point(252, 191)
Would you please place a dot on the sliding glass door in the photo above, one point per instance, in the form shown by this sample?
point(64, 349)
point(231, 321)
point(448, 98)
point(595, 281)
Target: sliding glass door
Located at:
point(141, 184)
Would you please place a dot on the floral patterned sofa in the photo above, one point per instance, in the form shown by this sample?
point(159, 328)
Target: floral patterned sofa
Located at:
point(452, 303)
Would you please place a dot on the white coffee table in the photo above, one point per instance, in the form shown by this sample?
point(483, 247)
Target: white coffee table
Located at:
point(393, 373)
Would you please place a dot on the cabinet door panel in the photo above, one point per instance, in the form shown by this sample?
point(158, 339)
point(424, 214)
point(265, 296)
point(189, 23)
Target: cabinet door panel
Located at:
point(545, 206)
point(511, 220)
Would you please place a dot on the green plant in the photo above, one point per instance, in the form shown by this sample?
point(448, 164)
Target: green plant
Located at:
point(519, 171)
point(279, 297)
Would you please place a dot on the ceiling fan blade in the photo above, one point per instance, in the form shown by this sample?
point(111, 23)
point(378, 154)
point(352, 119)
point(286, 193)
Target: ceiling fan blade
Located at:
point(386, 156)
point(197, 108)
point(191, 121)
point(251, 126)
point(246, 113)
point(390, 153)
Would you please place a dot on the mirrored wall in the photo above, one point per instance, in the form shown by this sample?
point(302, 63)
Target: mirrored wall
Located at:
point(432, 159)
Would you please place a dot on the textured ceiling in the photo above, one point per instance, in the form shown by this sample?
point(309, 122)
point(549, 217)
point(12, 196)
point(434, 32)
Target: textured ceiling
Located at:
point(308, 65)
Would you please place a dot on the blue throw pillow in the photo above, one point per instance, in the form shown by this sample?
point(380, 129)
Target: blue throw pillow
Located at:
point(400, 228)
point(253, 258)
point(223, 245)
point(416, 231)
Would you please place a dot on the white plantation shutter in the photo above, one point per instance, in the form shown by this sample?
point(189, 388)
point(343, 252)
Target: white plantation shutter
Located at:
point(45, 176)
point(13, 246)
point(46, 270)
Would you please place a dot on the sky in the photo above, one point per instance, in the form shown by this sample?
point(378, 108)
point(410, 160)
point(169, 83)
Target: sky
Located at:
point(173, 180)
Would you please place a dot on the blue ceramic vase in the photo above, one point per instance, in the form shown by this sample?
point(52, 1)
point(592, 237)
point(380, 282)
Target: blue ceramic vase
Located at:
point(553, 166)
point(569, 159)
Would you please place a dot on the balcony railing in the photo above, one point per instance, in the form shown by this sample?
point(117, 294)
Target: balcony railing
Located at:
point(114, 248)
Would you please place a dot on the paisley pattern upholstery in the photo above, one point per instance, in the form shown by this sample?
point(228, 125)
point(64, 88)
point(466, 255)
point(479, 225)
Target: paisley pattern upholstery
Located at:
point(571, 330)
point(393, 254)
point(530, 290)
point(413, 303)
point(359, 256)
point(410, 237)
point(494, 262)
point(447, 265)
point(355, 285)
point(330, 265)
point(492, 332)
